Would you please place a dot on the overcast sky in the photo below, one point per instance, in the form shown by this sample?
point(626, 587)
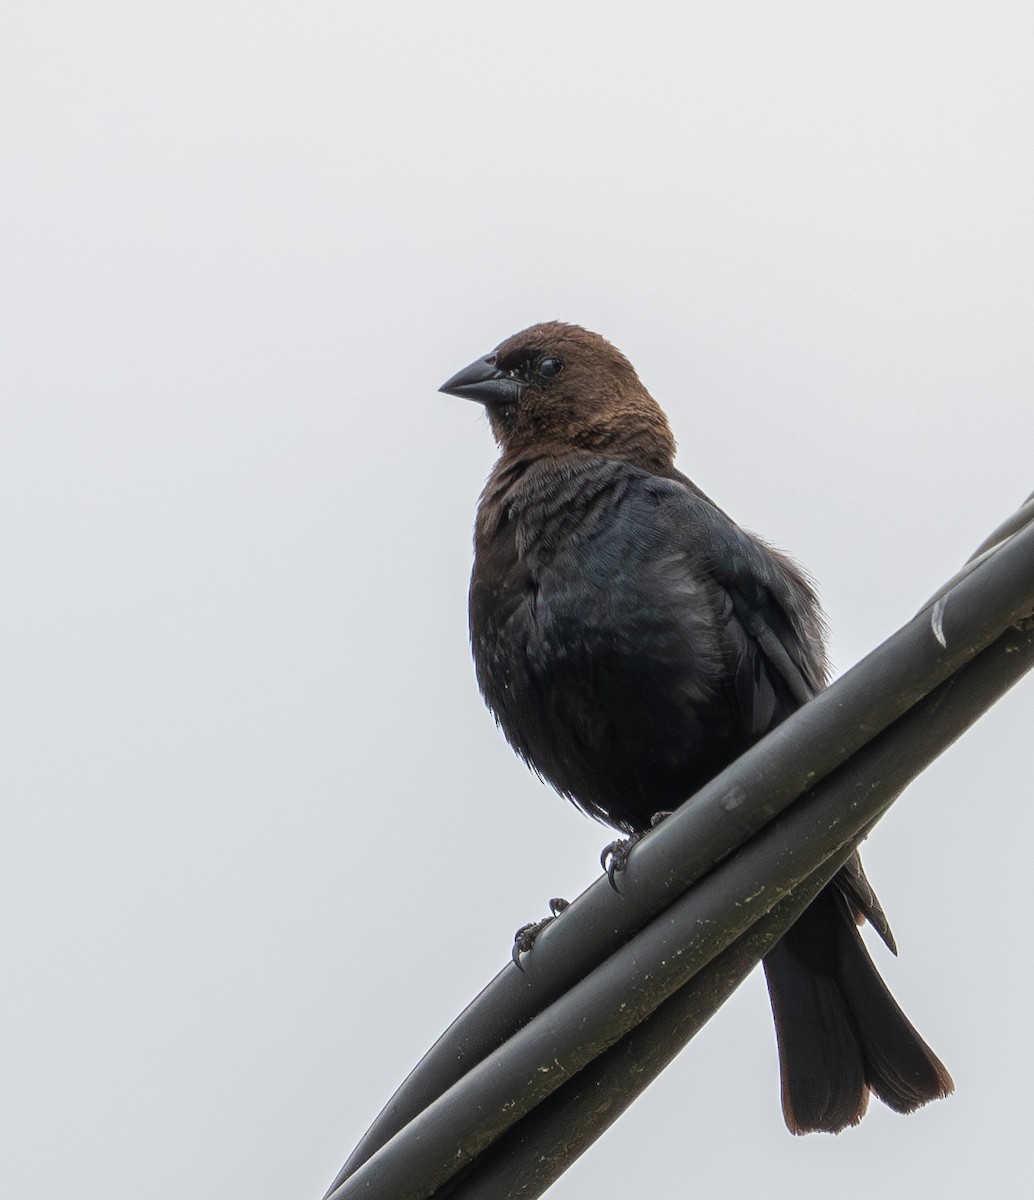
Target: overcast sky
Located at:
point(261, 842)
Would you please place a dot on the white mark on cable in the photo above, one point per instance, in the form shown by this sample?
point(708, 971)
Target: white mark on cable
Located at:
point(937, 622)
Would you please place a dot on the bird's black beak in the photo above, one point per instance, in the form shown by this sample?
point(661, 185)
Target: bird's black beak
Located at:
point(483, 381)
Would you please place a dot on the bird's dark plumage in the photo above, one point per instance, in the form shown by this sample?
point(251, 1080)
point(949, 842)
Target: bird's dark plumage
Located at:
point(632, 641)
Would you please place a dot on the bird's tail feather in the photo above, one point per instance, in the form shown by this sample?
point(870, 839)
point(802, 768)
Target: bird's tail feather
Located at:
point(840, 1032)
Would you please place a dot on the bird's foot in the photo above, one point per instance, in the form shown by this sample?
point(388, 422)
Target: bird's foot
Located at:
point(614, 858)
point(524, 938)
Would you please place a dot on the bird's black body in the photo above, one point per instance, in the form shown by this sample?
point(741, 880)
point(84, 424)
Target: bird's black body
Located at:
point(632, 641)
point(608, 636)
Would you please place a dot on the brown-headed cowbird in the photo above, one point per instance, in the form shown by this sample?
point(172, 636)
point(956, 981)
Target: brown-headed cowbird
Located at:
point(632, 641)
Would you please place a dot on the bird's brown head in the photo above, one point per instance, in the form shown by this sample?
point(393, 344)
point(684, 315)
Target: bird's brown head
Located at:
point(555, 388)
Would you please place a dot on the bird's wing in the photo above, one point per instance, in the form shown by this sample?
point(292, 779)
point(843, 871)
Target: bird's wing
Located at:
point(773, 619)
point(863, 901)
point(776, 626)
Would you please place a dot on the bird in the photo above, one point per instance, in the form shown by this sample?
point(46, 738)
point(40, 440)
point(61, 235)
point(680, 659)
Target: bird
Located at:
point(631, 640)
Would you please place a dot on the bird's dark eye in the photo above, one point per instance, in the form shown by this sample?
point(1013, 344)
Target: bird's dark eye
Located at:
point(549, 367)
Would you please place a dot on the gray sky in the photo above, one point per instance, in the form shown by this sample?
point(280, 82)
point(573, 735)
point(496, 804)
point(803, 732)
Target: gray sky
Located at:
point(260, 840)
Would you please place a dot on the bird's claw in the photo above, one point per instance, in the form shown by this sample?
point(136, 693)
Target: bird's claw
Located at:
point(614, 857)
point(524, 938)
